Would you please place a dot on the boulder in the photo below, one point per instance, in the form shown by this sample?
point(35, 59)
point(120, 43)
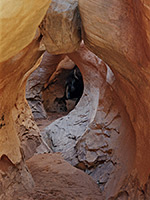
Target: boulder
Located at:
point(61, 27)
point(56, 179)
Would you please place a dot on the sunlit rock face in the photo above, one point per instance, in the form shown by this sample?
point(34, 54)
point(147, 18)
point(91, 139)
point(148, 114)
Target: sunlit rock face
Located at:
point(16, 119)
point(118, 32)
point(18, 23)
point(13, 76)
point(61, 27)
point(107, 134)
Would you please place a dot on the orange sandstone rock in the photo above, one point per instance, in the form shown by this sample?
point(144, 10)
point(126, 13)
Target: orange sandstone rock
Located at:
point(18, 23)
point(118, 32)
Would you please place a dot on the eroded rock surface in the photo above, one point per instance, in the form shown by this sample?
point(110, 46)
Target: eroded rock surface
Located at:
point(37, 80)
point(93, 136)
point(15, 180)
point(13, 89)
point(123, 43)
point(107, 134)
point(46, 86)
point(66, 131)
point(61, 27)
point(19, 22)
point(56, 179)
point(54, 89)
point(17, 18)
point(17, 120)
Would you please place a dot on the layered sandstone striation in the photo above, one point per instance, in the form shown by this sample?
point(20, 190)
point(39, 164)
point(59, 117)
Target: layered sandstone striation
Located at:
point(18, 23)
point(107, 134)
point(93, 136)
point(123, 42)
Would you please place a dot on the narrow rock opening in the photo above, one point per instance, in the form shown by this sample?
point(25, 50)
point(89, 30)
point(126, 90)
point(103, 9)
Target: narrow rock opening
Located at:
point(63, 91)
point(107, 133)
point(83, 132)
point(54, 89)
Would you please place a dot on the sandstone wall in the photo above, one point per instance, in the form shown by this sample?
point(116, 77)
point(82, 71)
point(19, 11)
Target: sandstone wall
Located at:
point(94, 136)
point(118, 32)
point(18, 22)
point(20, 18)
point(110, 125)
point(15, 114)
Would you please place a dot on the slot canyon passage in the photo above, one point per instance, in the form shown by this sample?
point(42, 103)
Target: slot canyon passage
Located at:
point(52, 145)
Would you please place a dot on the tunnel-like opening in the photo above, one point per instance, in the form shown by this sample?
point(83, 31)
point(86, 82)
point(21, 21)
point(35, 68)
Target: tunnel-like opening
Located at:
point(97, 135)
point(54, 89)
point(63, 91)
point(84, 133)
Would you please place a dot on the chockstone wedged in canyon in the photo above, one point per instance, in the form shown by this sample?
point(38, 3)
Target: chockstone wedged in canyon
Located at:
point(106, 136)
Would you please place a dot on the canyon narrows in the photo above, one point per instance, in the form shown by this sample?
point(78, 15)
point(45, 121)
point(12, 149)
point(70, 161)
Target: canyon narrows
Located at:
point(104, 131)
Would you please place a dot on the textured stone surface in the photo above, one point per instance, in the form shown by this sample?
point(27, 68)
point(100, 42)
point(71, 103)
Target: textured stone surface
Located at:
point(54, 88)
point(61, 27)
point(107, 134)
point(66, 131)
point(118, 32)
point(13, 89)
point(56, 179)
point(37, 80)
point(17, 120)
point(15, 180)
point(18, 21)
point(46, 86)
point(93, 136)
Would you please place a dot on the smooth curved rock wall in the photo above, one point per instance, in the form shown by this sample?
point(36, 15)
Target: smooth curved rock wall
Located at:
point(18, 21)
point(118, 32)
point(117, 113)
point(16, 119)
point(93, 136)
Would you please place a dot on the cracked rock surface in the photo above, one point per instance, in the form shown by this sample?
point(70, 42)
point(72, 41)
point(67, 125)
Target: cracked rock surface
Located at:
point(93, 135)
point(107, 134)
